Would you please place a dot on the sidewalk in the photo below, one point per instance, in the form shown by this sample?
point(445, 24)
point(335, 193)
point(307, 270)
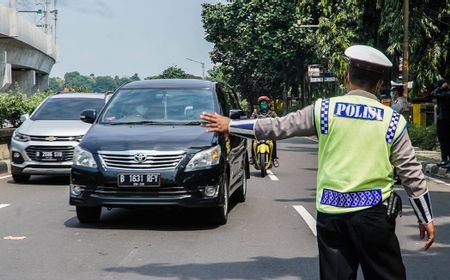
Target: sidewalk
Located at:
point(428, 159)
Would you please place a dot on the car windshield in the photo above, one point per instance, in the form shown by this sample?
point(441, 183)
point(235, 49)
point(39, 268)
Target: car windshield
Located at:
point(180, 106)
point(66, 108)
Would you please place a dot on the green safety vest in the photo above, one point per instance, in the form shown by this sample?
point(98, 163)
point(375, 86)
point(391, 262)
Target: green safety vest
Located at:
point(355, 134)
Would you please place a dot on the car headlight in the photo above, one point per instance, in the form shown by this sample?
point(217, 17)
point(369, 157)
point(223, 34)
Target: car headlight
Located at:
point(204, 159)
point(81, 157)
point(21, 137)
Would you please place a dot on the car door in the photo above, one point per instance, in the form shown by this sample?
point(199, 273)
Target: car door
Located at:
point(237, 145)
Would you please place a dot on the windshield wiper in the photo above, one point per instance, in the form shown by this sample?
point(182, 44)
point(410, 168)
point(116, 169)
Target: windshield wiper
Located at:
point(137, 122)
point(193, 123)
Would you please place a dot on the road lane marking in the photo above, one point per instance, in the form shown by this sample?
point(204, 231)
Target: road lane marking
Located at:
point(308, 218)
point(4, 205)
point(272, 176)
point(437, 181)
point(313, 139)
point(4, 177)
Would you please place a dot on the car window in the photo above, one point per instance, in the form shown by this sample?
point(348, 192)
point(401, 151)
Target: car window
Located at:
point(158, 105)
point(66, 108)
point(227, 103)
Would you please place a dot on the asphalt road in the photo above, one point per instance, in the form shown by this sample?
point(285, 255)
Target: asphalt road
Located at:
point(267, 237)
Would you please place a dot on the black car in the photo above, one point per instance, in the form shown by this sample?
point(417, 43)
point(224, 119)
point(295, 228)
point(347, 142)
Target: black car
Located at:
point(147, 148)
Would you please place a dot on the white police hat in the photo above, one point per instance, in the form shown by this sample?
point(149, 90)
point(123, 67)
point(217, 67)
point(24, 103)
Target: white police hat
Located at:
point(367, 58)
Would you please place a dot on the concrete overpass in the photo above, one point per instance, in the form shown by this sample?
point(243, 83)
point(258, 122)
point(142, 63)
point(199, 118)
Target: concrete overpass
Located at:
point(27, 53)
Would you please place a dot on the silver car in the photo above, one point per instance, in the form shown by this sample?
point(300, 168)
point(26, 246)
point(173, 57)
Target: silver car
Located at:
point(44, 143)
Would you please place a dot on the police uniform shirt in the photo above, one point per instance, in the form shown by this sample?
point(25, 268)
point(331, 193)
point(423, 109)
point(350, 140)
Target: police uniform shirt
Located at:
point(301, 123)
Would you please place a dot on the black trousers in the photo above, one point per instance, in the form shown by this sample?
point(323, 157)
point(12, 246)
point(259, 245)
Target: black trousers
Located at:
point(443, 133)
point(363, 238)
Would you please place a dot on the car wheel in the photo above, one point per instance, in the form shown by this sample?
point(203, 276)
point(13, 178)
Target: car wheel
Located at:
point(18, 178)
point(88, 215)
point(241, 193)
point(219, 215)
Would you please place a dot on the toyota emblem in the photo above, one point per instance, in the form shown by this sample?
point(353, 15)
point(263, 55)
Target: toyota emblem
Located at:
point(140, 158)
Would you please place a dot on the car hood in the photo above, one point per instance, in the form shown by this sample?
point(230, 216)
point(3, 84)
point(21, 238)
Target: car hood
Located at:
point(147, 137)
point(54, 128)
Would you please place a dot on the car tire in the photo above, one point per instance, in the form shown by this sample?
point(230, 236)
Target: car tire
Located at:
point(87, 215)
point(19, 178)
point(241, 193)
point(219, 215)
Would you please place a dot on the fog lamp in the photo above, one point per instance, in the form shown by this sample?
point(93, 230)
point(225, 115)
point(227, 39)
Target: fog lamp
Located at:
point(211, 191)
point(76, 190)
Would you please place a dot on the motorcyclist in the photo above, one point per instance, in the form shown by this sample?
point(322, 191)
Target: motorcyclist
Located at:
point(265, 111)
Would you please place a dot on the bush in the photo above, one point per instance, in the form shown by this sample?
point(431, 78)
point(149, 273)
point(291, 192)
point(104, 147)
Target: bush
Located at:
point(423, 137)
point(14, 105)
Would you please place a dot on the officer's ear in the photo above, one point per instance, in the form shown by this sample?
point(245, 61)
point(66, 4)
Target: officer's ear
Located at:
point(347, 79)
point(378, 86)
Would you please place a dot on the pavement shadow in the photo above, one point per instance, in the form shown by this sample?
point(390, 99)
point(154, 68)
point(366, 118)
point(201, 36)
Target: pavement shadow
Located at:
point(156, 219)
point(258, 268)
point(302, 199)
point(44, 180)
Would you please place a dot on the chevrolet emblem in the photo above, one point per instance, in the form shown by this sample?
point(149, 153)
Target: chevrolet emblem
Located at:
point(51, 138)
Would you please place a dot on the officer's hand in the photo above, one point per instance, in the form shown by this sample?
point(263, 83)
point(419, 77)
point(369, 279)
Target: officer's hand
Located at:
point(429, 229)
point(216, 122)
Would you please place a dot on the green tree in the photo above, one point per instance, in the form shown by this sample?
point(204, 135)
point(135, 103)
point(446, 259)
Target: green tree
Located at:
point(104, 83)
point(260, 46)
point(79, 83)
point(56, 84)
point(173, 72)
point(380, 24)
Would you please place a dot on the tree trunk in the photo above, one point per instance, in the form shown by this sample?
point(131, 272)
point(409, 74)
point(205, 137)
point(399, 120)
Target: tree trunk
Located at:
point(284, 94)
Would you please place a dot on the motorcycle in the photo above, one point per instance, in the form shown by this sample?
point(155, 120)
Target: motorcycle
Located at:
point(263, 151)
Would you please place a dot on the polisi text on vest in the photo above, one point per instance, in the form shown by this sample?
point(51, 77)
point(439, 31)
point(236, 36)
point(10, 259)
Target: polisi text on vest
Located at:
point(358, 111)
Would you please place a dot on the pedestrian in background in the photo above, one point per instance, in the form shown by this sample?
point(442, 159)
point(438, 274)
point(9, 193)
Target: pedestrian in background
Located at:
point(401, 104)
point(359, 142)
point(442, 95)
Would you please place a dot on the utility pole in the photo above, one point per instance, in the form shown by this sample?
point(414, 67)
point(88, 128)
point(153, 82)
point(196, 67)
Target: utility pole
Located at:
point(203, 66)
point(405, 70)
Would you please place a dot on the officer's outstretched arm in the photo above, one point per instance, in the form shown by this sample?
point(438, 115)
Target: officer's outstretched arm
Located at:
point(413, 180)
point(300, 123)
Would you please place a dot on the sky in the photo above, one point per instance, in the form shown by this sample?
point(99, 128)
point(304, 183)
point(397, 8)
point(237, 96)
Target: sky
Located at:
point(123, 37)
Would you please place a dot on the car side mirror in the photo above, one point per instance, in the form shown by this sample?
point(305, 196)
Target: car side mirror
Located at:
point(24, 117)
point(236, 114)
point(88, 116)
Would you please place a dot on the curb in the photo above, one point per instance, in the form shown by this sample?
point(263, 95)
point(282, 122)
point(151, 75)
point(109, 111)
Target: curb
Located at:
point(433, 170)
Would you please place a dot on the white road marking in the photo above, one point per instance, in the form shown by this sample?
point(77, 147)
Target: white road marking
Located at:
point(272, 176)
point(4, 177)
point(313, 139)
point(309, 219)
point(4, 205)
point(437, 181)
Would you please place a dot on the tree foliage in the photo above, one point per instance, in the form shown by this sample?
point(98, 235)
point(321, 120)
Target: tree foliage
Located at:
point(380, 24)
point(259, 45)
point(173, 72)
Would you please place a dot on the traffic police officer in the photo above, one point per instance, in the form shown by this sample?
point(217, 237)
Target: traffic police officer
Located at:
point(360, 140)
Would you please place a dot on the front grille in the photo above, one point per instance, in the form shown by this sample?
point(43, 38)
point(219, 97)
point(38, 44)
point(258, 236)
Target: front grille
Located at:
point(141, 160)
point(67, 153)
point(54, 138)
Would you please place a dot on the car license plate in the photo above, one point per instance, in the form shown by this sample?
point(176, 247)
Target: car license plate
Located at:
point(138, 180)
point(49, 156)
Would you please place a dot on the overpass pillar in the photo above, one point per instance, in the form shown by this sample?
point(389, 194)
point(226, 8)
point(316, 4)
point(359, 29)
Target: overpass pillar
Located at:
point(41, 82)
point(5, 72)
point(26, 79)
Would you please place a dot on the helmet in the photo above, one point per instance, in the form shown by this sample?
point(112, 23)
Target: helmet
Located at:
point(263, 98)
